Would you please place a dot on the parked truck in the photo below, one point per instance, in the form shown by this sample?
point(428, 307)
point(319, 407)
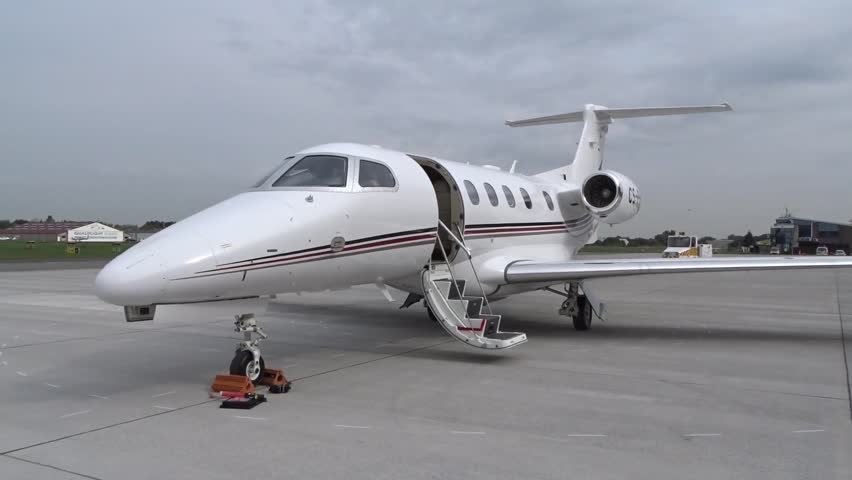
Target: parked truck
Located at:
point(684, 246)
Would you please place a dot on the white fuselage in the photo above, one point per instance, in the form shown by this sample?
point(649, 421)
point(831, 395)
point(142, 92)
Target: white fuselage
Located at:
point(272, 240)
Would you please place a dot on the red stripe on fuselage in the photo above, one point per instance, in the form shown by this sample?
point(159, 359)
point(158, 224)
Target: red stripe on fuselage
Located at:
point(559, 228)
point(323, 253)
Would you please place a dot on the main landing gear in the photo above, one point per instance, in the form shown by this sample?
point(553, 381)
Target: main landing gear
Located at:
point(248, 360)
point(576, 306)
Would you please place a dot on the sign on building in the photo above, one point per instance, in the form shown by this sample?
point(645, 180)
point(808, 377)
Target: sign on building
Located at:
point(95, 232)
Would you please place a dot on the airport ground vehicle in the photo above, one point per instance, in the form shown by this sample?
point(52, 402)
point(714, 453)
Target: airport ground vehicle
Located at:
point(840, 253)
point(822, 251)
point(682, 245)
point(776, 250)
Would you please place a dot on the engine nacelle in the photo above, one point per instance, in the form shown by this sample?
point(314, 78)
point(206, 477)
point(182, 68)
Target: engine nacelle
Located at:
point(611, 196)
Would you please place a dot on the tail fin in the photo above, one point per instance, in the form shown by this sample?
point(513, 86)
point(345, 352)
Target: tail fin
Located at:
point(596, 120)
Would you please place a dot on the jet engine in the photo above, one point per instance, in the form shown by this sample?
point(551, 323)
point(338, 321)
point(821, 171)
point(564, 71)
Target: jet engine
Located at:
point(611, 196)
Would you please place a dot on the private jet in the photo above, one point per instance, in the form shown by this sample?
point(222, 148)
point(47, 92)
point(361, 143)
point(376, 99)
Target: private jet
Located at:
point(456, 236)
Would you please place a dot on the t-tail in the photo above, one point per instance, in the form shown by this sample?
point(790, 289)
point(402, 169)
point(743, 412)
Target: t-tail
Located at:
point(596, 120)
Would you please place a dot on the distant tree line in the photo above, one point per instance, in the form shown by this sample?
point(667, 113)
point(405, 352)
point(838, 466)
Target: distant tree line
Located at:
point(149, 226)
point(10, 223)
point(154, 225)
point(660, 239)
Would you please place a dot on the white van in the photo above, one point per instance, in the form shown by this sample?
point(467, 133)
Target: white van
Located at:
point(822, 251)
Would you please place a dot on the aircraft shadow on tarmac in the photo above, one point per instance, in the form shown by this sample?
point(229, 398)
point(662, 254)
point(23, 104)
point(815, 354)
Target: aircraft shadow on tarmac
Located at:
point(373, 316)
point(686, 332)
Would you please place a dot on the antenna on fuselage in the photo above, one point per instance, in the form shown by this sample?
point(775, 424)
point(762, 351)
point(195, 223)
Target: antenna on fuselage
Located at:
point(512, 168)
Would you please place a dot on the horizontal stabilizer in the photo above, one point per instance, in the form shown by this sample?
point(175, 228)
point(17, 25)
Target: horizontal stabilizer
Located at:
point(604, 113)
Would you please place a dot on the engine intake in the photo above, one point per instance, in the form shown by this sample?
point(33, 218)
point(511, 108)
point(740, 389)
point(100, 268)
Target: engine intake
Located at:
point(610, 196)
point(599, 191)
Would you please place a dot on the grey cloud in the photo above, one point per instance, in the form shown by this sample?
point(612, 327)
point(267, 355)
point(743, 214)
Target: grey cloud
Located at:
point(196, 98)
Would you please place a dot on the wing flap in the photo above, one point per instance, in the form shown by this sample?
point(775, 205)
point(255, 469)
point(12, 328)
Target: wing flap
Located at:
point(526, 271)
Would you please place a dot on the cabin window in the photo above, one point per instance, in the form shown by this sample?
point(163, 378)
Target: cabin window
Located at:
point(526, 197)
point(510, 197)
point(471, 192)
point(548, 200)
point(315, 171)
point(374, 174)
point(492, 195)
point(270, 174)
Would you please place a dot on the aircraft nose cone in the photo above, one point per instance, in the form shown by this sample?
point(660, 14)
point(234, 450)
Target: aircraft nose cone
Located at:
point(134, 278)
point(143, 274)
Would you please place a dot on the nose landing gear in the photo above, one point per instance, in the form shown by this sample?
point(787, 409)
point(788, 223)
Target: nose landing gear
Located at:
point(248, 360)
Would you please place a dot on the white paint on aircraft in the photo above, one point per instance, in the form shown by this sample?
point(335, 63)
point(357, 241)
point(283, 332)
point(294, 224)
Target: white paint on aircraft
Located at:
point(343, 214)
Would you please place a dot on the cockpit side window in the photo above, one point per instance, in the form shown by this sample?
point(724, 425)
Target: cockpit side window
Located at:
point(270, 174)
point(315, 171)
point(374, 174)
point(471, 192)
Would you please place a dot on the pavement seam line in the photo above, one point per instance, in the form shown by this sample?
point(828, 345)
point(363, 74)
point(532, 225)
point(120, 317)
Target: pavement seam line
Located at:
point(52, 467)
point(374, 360)
point(98, 429)
point(843, 343)
point(107, 335)
point(762, 390)
point(133, 420)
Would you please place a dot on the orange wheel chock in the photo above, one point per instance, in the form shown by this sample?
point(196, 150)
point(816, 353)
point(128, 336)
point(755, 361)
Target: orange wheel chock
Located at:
point(232, 383)
point(275, 380)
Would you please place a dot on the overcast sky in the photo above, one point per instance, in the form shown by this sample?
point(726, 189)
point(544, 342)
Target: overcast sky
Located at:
point(129, 111)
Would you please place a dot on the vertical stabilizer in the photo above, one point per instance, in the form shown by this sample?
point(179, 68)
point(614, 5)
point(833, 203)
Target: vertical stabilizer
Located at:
point(596, 119)
point(589, 155)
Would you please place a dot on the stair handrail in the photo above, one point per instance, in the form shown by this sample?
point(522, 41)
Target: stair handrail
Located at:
point(469, 259)
point(452, 276)
point(476, 276)
point(458, 242)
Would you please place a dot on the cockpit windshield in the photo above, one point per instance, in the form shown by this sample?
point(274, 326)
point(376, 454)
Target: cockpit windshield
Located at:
point(679, 242)
point(269, 174)
point(315, 171)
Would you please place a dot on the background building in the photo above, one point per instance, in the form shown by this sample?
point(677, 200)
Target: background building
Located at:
point(41, 231)
point(138, 235)
point(94, 232)
point(801, 235)
point(721, 245)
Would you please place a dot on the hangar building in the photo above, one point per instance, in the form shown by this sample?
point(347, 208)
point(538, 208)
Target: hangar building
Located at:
point(41, 231)
point(798, 235)
point(93, 232)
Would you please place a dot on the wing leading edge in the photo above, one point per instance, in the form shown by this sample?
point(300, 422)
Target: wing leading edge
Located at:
point(526, 271)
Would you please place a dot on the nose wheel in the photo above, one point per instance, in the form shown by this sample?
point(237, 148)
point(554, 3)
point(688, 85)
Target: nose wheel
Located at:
point(244, 363)
point(248, 361)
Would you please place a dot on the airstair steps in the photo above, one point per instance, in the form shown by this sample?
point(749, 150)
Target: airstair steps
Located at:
point(461, 315)
point(456, 293)
point(474, 306)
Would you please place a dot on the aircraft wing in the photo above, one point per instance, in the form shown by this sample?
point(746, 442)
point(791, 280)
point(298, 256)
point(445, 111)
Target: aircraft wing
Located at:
point(527, 271)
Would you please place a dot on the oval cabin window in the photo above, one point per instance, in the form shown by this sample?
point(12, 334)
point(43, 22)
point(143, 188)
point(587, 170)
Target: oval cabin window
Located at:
point(548, 200)
point(510, 197)
point(492, 195)
point(527, 199)
point(471, 192)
